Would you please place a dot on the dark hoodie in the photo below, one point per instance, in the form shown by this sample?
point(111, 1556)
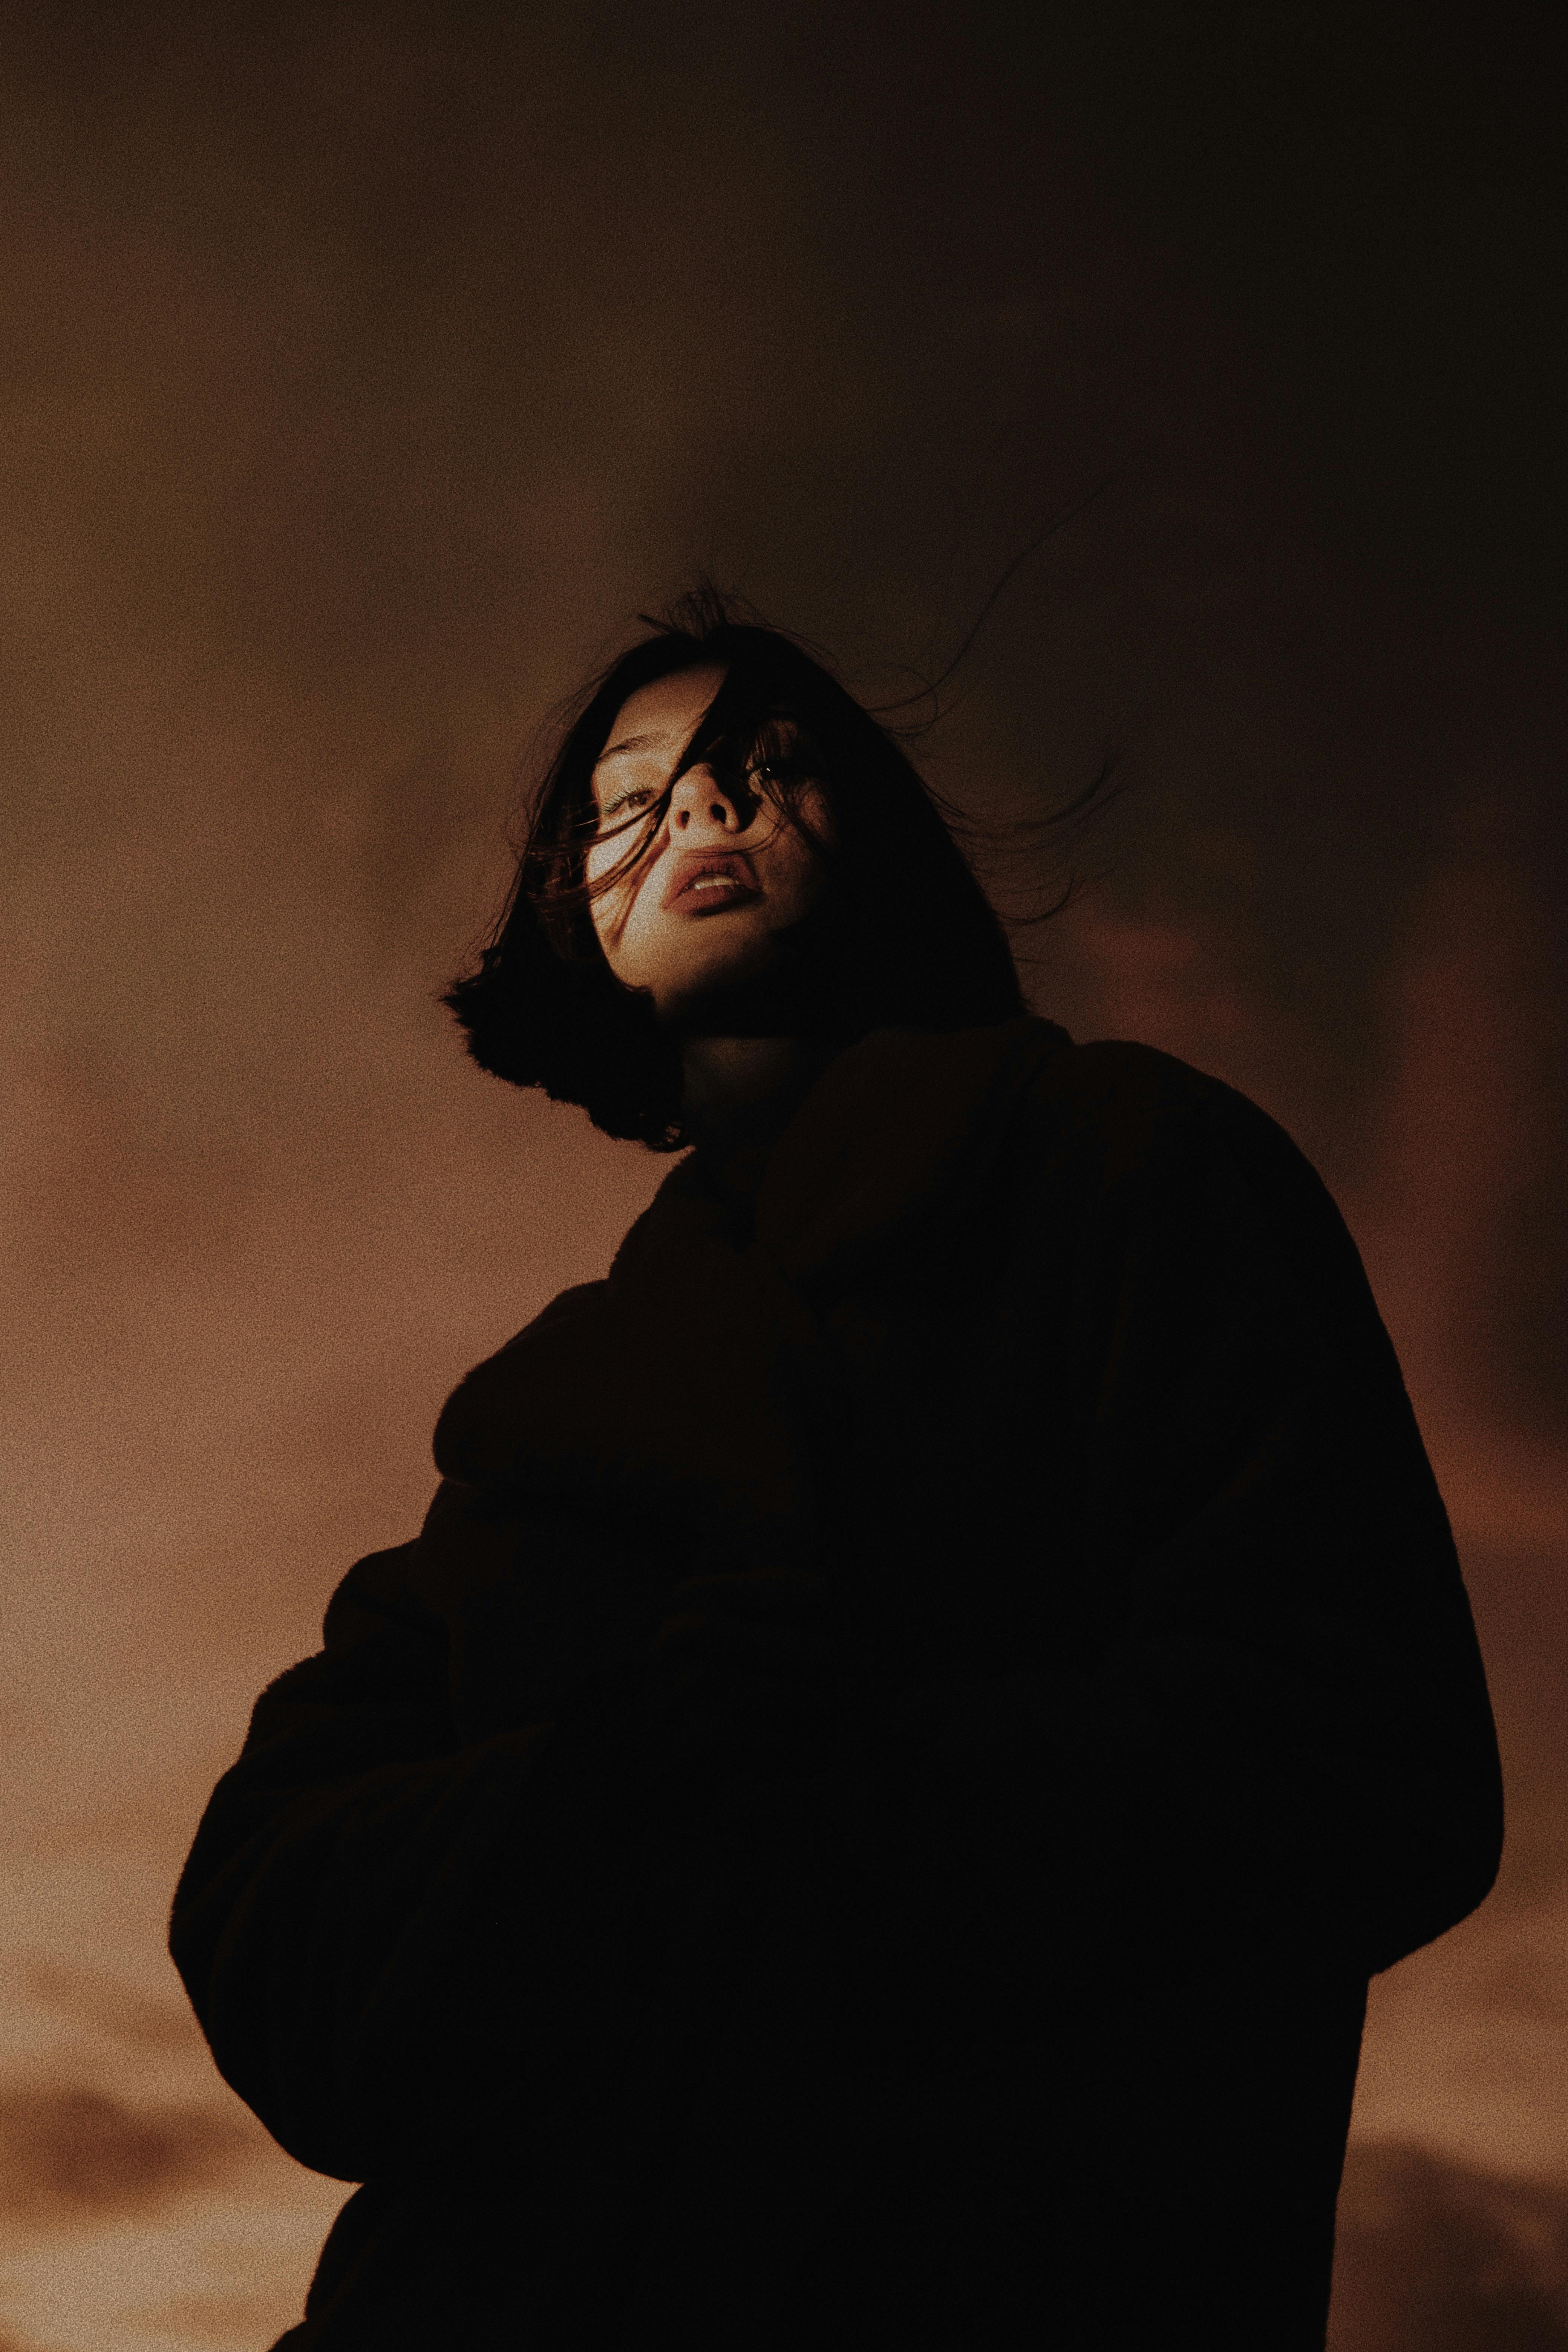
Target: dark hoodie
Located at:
point(1169, 1729)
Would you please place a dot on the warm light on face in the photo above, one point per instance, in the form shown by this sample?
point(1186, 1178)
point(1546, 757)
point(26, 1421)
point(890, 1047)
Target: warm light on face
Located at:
point(721, 875)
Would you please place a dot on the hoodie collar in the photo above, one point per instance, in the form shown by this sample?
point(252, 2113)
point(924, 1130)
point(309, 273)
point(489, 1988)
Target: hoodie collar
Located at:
point(890, 1144)
point(885, 1157)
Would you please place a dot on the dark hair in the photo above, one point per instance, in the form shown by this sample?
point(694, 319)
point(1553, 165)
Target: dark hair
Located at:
point(904, 938)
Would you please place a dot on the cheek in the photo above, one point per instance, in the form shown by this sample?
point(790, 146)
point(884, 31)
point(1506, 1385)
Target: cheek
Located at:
point(599, 910)
point(609, 911)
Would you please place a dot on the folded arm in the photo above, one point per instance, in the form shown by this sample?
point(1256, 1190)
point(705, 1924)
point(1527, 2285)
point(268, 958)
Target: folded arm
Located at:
point(393, 1938)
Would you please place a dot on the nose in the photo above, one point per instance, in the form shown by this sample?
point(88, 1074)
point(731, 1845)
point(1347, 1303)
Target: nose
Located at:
point(700, 803)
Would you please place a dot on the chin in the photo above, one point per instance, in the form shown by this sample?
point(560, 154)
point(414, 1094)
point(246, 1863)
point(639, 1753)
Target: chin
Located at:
point(774, 1002)
point(774, 983)
point(736, 1002)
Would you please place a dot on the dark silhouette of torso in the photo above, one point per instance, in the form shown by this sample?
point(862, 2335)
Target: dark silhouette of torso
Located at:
point(1041, 2000)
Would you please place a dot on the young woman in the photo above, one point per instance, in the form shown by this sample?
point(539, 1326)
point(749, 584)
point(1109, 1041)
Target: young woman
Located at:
point(866, 1815)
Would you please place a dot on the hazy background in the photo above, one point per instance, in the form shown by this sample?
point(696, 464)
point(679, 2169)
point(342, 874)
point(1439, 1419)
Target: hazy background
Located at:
point(365, 370)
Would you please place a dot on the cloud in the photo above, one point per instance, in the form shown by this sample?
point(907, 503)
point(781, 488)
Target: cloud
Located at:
point(71, 2154)
point(1472, 1128)
point(1174, 984)
point(105, 2005)
point(1434, 2256)
point(243, 2320)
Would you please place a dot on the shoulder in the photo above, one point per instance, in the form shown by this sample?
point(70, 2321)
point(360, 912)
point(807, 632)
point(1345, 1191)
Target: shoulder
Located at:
point(1123, 1108)
point(1149, 1145)
point(1131, 1110)
point(477, 1425)
point(1132, 1128)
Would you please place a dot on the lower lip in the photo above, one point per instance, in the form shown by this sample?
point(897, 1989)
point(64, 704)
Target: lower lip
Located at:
point(717, 895)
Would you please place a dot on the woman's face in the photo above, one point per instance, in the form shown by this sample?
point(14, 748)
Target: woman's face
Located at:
point(720, 876)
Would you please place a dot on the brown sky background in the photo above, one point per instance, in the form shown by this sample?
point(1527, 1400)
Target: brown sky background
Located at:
point(365, 371)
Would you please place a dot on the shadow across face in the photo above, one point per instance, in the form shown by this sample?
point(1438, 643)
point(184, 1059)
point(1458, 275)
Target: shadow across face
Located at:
point(711, 845)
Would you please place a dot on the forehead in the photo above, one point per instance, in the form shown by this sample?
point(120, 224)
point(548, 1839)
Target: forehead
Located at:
point(662, 717)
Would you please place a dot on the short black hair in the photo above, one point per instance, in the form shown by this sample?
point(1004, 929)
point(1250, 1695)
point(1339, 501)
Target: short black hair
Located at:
point(905, 938)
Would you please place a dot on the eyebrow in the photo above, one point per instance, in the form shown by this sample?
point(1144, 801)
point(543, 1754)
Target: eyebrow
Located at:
point(628, 743)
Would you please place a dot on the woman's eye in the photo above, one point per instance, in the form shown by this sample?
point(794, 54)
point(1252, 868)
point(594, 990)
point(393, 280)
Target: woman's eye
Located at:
point(639, 797)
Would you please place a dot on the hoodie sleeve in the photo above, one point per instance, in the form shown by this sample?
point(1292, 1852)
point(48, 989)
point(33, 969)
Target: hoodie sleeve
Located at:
point(1276, 1719)
point(397, 1938)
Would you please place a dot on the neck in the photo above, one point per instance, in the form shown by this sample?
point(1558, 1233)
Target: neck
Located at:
point(736, 1088)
